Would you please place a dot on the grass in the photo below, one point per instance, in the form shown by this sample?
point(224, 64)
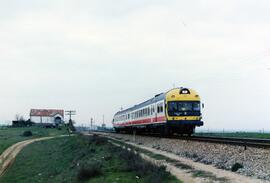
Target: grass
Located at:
point(204, 174)
point(188, 168)
point(82, 159)
point(237, 134)
point(9, 136)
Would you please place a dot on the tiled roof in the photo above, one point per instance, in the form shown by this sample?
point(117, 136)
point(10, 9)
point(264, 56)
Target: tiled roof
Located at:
point(46, 112)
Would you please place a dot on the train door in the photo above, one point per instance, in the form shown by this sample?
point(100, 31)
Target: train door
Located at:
point(155, 111)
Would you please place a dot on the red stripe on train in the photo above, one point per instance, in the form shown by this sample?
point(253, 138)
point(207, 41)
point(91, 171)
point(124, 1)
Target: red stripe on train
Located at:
point(143, 121)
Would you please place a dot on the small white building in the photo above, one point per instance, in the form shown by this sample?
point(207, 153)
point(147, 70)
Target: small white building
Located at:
point(47, 116)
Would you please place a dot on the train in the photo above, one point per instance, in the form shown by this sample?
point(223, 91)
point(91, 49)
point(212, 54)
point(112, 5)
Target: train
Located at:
point(177, 111)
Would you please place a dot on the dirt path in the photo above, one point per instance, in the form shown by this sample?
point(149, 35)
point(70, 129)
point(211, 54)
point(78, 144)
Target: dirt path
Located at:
point(187, 174)
point(9, 155)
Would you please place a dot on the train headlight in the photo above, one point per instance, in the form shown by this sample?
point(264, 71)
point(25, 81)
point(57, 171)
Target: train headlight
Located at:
point(184, 91)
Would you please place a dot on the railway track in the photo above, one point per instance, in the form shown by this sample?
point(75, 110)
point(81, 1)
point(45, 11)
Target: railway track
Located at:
point(245, 142)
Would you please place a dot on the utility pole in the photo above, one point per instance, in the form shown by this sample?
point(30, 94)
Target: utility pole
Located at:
point(70, 113)
point(91, 123)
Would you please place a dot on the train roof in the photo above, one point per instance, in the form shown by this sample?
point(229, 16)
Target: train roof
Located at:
point(157, 98)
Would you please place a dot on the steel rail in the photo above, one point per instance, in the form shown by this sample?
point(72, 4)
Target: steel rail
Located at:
point(251, 142)
point(245, 142)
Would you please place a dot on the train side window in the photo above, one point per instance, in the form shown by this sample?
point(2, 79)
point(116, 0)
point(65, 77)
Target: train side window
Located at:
point(145, 112)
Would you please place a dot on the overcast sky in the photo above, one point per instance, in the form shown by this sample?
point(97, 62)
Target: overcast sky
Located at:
point(96, 56)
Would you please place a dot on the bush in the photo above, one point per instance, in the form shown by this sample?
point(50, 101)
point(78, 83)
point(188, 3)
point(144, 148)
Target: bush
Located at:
point(89, 171)
point(151, 173)
point(97, 140)
point(236, 167)
point(27, 134)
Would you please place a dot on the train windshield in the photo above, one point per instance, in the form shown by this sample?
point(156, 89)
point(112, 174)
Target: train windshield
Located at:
point(187, 108)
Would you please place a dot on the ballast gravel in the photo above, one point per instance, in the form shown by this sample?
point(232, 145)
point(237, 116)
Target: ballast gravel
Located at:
point(255, 161)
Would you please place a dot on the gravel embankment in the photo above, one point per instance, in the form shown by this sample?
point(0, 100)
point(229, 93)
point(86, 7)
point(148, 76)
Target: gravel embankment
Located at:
point(255, 161)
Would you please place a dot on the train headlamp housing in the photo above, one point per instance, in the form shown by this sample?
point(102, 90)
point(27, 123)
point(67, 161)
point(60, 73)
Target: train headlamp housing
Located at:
point(184, 91)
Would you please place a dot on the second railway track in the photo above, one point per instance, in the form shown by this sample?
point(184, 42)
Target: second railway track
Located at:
point(245, 142)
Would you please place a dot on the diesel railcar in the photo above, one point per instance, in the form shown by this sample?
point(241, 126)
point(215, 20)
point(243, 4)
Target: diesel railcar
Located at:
point(176, 111)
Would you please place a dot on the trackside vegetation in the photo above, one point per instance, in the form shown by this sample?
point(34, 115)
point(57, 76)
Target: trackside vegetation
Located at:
point(10, 136)
point(82, 159)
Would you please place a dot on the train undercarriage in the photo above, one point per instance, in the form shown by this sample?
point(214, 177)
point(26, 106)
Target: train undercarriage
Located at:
point(164, 129)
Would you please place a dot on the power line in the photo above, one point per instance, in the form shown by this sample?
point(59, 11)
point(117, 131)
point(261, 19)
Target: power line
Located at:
point(70, 113)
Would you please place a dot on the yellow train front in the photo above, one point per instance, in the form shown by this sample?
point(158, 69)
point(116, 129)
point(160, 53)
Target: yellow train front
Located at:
point(183, 111)
point(176, 111)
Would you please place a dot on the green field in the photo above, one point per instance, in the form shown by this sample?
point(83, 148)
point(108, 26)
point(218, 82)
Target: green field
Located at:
point(10, 136)
point(236, 134)
point(82, 159)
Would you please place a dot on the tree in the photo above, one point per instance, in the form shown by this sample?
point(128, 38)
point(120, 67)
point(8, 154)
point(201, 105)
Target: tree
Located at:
point(19, 117)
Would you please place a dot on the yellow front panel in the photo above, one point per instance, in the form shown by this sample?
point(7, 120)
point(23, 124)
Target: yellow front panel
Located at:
point(174, 95)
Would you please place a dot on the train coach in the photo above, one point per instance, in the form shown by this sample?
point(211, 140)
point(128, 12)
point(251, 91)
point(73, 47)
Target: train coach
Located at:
point(176, 111)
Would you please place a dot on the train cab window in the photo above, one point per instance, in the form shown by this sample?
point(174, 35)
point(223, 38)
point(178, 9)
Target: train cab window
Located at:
point(196, 106)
